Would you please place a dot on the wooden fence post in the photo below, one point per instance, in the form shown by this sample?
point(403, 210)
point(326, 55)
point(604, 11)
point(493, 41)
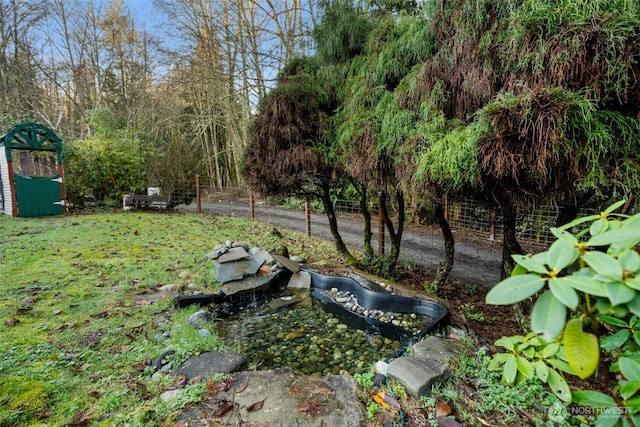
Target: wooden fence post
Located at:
point(307, 214)
point(252, 213)
point(198, 201)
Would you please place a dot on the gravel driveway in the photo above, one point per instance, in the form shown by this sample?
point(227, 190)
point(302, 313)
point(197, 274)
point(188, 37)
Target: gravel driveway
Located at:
point(475, 262)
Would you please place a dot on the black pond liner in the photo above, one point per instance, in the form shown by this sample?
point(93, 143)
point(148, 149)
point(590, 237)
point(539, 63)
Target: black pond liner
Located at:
point(368, 299)
point(372, 300)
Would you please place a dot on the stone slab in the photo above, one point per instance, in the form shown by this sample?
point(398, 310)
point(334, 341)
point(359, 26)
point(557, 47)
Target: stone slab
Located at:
point(250, 283)
point(284, 395)
point(229, 271)
point(418, 375)
point(292, 266)
point(233, 254)
point(300, 280)
point(437, 349)
point(265, 256)
point(211, 363)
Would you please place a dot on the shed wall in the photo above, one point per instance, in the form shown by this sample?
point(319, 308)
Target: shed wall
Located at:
point(5, 191)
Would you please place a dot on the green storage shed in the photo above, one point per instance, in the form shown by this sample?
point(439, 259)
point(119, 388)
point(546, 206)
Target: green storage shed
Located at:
point(31, 172)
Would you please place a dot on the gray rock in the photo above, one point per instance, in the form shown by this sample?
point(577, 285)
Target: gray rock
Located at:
point(297, 258)
point(170, 395)
point(437, 349)
point(300, 280)
point(233, 254)
point(211, 363)
point(230, 271)
point(265, 256)
point(417, 375)
point(247, 284)
point(168, 288)
point(283, 393)
point(199, 318)
point(292, 266)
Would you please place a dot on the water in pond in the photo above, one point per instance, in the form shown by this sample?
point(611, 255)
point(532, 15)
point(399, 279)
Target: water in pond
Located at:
point(311, 337)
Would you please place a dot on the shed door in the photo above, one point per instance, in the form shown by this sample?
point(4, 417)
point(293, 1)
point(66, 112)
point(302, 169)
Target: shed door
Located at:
point(37, 196)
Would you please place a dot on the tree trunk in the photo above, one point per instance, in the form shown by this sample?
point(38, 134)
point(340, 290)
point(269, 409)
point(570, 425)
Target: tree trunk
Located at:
point(333, 226)
point(445, 267)
point(366, 215)
point(510, 244)
point(395, 236)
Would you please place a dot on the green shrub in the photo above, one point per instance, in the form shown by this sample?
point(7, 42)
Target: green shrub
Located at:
point(587, 303)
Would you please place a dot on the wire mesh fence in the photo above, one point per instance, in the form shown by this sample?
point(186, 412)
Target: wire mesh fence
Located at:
point(476, 225)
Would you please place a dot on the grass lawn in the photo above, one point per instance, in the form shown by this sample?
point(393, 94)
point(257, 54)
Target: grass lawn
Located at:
point(77, 336)
point(78, 332)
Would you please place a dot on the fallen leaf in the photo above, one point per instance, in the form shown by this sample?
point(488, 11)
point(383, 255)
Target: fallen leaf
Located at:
point(81, 418)
point(139, 366)
point(311, 408)
point(12, 322)
point(223, 409)
point(216, 387)
point(181, 383)
point(485, 423)
point(386, 401)
point(42, 414)
point(196, 379)
point(256, 406)
point(137, 387)
point(384, 419)
point(442, 408)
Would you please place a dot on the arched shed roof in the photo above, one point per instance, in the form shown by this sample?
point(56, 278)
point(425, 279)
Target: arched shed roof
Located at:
point(32, 137)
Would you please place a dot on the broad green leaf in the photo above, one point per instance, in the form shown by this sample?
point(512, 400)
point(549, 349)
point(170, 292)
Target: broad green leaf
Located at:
point(579, 221)
point(562, 234)
point(594, 399)
point(608, 419)
point(618, 293)
point(542, 370)
point(498, 359)
point(629, 388)
point(598, 227)
point(636, 337)
point(586, 284)
point(630, 261)
point(548, 316)
point(561, 254)
point(615, 206)
point(510, 370)
point(564, 293)
point(506, 342)
point(629, 368)
point(514, 289)
point(633, 282)
point(620, 236)
point(614, 321)
point(634, 305)
point(530, 263)
point(583, 352)
point(550, 350)
point(525, 367)
point(562, 365)
point(604, 264)
point(616, 340)
point(559, 386)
